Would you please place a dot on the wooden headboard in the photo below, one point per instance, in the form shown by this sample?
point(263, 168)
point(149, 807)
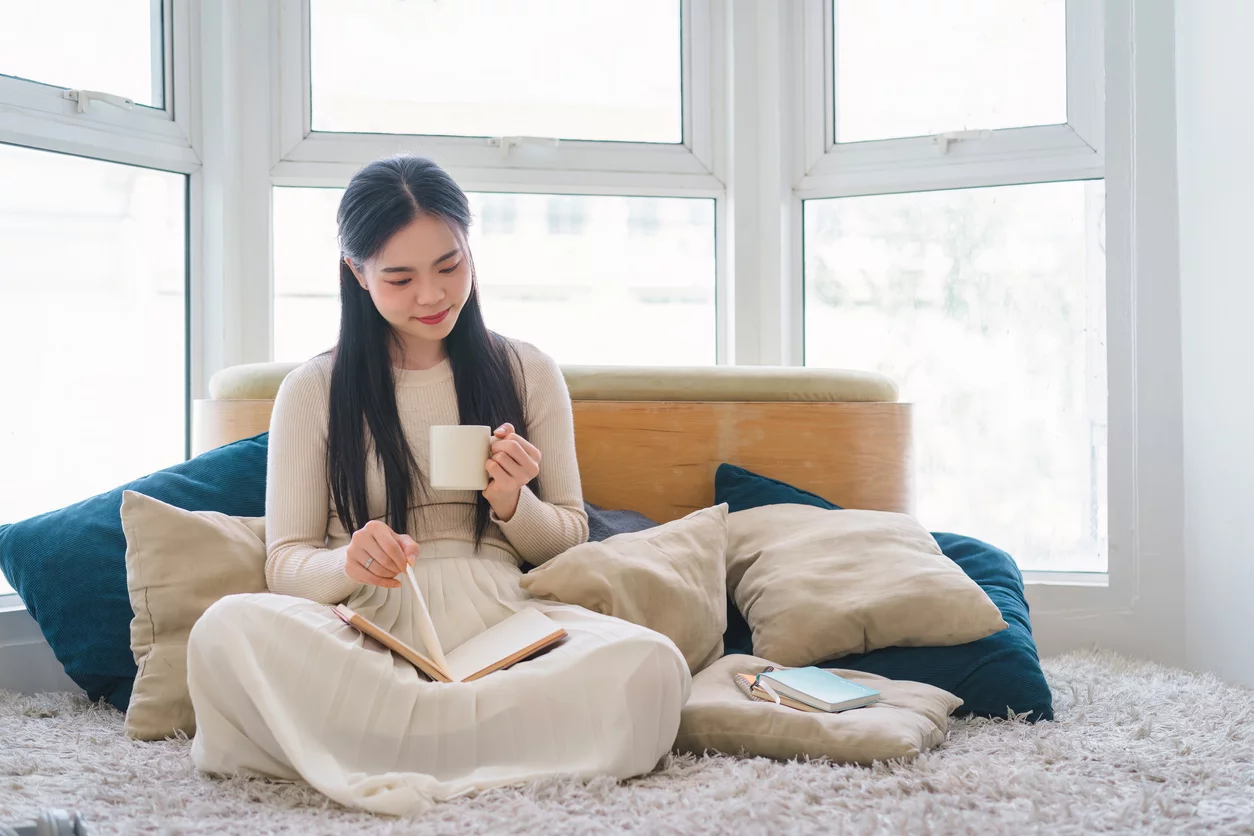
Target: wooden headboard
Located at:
point(650, 440)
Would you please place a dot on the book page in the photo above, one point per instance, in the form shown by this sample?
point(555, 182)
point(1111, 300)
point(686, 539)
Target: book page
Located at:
point(426, 628)
point(524, 632)
point(383, 637)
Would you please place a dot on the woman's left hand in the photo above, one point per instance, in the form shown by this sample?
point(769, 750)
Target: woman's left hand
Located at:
point(514, 462)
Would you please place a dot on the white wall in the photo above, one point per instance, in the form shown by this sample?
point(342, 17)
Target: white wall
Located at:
point(1215, 135)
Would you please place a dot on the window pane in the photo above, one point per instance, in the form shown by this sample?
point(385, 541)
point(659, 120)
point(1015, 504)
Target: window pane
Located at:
point(987, 306)
point(549, 68)
point(920, 67)
point(92, 338)
point(114, 47)
point(581, 277)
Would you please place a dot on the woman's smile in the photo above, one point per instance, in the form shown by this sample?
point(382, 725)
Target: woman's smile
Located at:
point(435, 319)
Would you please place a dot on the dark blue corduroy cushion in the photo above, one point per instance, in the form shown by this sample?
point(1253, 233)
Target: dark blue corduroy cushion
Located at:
point(69, 566)
point(605, 523)
point(997, 674)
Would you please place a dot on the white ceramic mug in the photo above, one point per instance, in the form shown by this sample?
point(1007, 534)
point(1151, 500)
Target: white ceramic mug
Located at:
point(458, 456)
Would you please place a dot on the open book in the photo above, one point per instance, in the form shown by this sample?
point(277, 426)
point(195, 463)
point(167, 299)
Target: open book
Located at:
point(522, 635)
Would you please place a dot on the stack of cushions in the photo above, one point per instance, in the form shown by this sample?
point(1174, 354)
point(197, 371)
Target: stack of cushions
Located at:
point(994, 675)
point(673, 579)
point(69, 566)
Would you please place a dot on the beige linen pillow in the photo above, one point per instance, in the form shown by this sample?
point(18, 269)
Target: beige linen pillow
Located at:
point(671, 578)
point(815, 584)
point(909, 719)
point(178, 563)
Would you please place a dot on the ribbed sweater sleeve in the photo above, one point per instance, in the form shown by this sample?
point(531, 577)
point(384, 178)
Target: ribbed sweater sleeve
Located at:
point(298, 561)
point(544, 526)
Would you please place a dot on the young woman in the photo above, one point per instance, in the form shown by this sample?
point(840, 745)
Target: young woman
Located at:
point(281, 686)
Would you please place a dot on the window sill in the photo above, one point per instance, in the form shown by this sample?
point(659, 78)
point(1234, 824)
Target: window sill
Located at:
point(1085, 579)
point(11, 603)
point(27, 663)
point(16, 625)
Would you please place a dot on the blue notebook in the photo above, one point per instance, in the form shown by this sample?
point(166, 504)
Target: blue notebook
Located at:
point(820, 688)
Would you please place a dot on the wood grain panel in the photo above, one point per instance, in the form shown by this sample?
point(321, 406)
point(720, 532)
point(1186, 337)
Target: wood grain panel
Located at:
point(659, 458)
point(215, 423)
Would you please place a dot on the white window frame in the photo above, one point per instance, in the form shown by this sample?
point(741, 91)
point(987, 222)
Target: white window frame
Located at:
point(40, 116)
point(979, 158)
point(533, 160)
point(1008, 156)
point(1138, 601)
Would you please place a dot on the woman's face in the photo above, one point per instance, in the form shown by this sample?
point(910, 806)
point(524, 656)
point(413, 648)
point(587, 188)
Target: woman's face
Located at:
point(419, 280)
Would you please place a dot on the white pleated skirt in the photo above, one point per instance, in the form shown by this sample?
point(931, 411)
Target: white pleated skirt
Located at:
point(282, 688)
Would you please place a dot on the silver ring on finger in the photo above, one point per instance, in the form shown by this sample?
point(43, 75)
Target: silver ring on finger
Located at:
point(369, 560)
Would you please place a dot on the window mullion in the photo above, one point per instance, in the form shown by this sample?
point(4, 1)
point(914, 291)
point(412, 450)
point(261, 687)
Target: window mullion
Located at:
point(764, 156)
point(230, 223)
point(715, 68)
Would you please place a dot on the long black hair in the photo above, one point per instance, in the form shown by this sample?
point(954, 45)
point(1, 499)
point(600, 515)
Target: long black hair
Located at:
point(381, 199)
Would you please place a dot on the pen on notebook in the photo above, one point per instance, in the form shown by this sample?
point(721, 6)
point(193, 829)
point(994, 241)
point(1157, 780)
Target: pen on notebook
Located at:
point(766, 686)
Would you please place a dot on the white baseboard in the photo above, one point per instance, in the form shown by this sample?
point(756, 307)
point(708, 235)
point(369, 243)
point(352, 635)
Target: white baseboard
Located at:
point(27, 664)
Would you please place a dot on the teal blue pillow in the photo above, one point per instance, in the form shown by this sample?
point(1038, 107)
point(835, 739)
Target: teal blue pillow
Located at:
point(743, 489)
point(69, 566)
point(992, 676)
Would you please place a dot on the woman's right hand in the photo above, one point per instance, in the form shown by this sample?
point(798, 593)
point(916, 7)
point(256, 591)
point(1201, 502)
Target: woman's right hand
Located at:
point(377, 554)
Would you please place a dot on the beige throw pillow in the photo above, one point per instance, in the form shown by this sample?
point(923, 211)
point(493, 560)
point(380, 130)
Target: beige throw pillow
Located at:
point(671, 579)
point(815, 584)
point(909, 719)
point(178, 563)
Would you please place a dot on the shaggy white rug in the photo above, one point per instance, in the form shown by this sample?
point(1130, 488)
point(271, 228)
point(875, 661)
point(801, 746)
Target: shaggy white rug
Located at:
point(1137, 748)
